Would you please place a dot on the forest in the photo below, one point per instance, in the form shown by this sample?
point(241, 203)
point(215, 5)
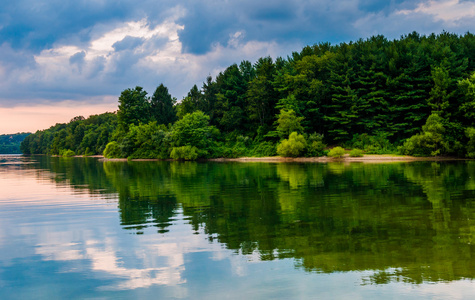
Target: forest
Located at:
point(10, 143)
point(414, 95)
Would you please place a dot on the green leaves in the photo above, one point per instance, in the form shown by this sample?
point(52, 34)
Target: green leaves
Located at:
point(470, 133)
point(112, 150)
point(184, 153)
point(193, 130)
point(134, 107)
point(467, 108)
point(288, 123)
point(162, 106)
point(292, 147)
point(336, 152)
point(431, 142)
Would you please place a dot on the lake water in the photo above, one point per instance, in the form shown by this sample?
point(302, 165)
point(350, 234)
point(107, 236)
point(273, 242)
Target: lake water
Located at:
point(81, 228)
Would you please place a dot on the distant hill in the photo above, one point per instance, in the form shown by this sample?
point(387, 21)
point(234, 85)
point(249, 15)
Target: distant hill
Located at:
point(10, 143)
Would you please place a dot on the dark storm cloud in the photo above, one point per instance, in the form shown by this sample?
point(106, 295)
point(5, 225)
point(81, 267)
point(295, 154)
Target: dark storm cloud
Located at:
point(48, 50)
point(213, 22)
point(303, 21)
point(36, 25)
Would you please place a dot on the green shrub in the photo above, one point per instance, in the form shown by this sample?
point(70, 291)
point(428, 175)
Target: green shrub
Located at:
point(356, 153)
point(264, 149)
point(315, 145)
point(416, 146)
point(292, 147)
point(67, 153)
point(470, 133)
point(112, 150)
point(430, 142)
point(336, 152)
point(315, 149)
point(372, 144)
point(185, 153)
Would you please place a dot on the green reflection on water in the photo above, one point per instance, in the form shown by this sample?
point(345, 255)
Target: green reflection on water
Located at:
point(412, 222)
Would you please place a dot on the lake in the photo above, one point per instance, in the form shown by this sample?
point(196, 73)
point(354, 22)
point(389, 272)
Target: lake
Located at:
point(82, 228)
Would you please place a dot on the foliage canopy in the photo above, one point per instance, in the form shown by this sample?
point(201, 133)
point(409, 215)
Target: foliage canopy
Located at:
point(374, 94)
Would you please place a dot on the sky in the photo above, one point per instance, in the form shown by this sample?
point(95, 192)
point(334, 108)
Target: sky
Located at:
point(60, 59)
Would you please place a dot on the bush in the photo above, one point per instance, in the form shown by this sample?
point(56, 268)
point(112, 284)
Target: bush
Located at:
point(372, 144)
point(356, 153)
point(112, 150)
point(336, 152)
point(67, 153)
point(430, 142)
point(293, 146)
point(184, 153)
point(315, 145)
point(416, 145)
point(264, 149)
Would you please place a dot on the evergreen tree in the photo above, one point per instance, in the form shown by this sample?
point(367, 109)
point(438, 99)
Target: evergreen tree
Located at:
point(162, 106)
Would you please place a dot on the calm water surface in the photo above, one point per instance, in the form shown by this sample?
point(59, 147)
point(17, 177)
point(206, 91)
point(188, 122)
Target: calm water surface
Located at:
point(80, 228)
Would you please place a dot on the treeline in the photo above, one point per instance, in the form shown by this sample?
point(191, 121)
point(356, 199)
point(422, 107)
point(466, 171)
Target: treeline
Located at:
point(415, 95)
point(80, 136)
point(10, 143)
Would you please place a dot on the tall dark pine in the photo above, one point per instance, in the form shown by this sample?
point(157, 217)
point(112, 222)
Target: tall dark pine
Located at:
point(261, 95)
point(230, 99)
point(162, 103)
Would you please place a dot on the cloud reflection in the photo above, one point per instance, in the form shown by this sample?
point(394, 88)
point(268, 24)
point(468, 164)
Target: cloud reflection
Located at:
point(158, 262)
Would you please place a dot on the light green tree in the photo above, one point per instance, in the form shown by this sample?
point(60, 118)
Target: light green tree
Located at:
point(430, 142)
point(439, 98)
point(194, 130)
point(467, 108)
point(293, 146)
point(288, 122)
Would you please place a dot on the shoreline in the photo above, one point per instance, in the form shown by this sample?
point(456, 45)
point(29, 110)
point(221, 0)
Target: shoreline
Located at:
point(369, 158)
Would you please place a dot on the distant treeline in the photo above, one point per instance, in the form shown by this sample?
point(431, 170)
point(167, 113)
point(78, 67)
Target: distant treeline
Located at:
point(10, 143)
point(83, 136)
point(414, 95)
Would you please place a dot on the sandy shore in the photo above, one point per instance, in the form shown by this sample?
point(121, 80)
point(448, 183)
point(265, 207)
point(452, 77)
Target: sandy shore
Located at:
point(370, 158)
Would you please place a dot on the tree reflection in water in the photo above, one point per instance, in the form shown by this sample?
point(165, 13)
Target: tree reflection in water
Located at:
point(412, 222)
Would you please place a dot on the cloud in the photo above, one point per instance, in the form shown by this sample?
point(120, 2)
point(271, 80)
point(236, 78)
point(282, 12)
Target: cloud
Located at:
point(450, 12)
point(393, 25)
point(78, 60)
point(55, 51)
point(425, 17)
point(131, 53)
point(128, 43)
